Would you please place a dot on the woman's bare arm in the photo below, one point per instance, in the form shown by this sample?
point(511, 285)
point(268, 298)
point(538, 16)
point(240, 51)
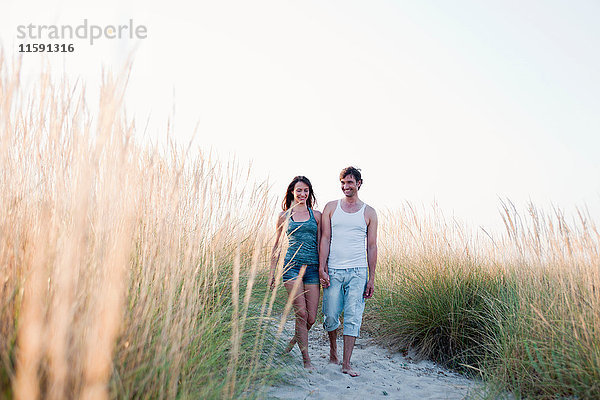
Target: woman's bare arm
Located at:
point(276, 251)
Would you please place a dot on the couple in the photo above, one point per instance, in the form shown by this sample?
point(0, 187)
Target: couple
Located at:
point(339, 249)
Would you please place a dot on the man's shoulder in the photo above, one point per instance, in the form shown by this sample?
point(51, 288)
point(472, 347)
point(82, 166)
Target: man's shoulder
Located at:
point(330, 205)
point(370, 211)
point(369, 208)
point(329, 208)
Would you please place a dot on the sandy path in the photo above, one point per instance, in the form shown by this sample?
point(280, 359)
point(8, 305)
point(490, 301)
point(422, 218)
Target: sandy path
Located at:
point(384, 375)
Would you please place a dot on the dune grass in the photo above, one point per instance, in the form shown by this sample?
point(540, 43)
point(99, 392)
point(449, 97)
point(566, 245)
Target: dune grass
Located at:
point(520, 309)
point(127, 268)
point(138, 271)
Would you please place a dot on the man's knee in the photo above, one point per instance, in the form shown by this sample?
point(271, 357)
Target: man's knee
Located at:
point(352, 328)
point(331, 322)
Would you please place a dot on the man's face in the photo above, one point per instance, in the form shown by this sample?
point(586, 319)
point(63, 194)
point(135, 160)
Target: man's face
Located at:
point(349, 185)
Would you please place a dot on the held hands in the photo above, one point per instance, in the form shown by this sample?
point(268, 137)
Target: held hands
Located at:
point(324, 278)
point(369, 289)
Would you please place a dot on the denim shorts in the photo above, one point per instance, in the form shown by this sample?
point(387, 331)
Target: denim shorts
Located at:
point(311, 275)
point(345, 293)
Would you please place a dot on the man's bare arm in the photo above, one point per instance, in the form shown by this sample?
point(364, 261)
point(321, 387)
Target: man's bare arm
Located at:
point(324, 245)
point(371, 251)
point(318, 218)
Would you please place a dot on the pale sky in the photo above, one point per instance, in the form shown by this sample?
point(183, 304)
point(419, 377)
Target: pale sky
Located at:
point(461, 103)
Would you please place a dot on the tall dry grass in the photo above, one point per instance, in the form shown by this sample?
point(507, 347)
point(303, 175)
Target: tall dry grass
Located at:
point(127, 269)
point(519, 308)
point(134, 271)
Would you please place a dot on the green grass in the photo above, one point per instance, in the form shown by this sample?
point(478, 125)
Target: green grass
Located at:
point(523, 314)
point(499, 326)
point(551, 348)
point(445, 313)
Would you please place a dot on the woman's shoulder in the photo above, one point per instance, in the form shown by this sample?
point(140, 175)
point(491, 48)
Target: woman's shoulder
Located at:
point(282, 215)
point(316, 213)
point(285, 213)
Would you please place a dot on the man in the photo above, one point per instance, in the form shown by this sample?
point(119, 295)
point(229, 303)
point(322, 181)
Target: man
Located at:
point(347, 260)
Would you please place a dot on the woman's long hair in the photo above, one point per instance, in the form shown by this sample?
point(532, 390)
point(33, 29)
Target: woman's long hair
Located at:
point(289, 194)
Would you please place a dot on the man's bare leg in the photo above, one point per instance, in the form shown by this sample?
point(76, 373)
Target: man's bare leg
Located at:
point(333, 358)
point(348, 347)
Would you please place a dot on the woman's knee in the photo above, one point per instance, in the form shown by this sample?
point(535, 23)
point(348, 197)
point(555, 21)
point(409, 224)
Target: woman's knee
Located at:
point(302, 315)
point(310, 320)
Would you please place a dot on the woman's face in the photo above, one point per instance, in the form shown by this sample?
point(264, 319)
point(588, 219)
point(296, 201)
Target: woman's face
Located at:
point(301, 192)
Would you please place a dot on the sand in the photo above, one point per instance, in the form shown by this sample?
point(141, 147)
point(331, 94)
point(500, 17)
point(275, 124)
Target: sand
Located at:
point(384, 375)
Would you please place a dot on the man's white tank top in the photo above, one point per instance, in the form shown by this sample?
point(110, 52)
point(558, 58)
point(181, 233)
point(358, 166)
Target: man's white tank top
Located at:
point(348, 247)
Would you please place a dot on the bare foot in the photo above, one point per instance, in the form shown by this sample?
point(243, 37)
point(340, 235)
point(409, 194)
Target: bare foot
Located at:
point(350, 371)
point(308, 365)
point(333, 359)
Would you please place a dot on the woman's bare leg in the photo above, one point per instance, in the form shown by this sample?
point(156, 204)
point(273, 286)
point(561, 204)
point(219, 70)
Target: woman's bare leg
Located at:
point(291, 344)
point(301, 337)
point(312, 293)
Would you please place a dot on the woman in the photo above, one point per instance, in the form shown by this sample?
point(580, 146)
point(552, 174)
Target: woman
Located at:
point(303, 232)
